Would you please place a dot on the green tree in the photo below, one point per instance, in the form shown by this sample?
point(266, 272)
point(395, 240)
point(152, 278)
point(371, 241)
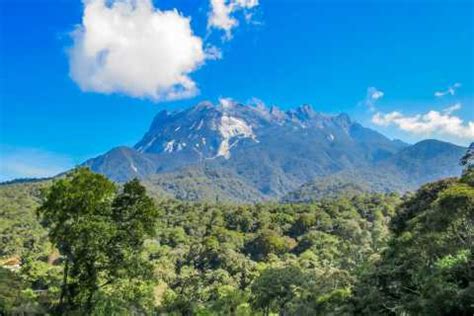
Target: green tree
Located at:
point(275, 288)
point(269, 242)
point(427, 268)
point(99, 234)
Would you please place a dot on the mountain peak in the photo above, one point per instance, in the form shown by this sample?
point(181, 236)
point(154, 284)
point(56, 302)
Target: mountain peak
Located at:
point(270, 150)
point(306, 110)
point(343, 120)
point(227, 103)
point(204, 105)
point(209, 132)
point(431, 147)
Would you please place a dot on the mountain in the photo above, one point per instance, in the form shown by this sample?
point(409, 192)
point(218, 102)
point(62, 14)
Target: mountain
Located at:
point(425, 161)
point(238, 152)
point(203, 183)
point(408, 169)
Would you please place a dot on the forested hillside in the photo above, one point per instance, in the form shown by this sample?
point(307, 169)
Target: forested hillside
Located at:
point(372, 254)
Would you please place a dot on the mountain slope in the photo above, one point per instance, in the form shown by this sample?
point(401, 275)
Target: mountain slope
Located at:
point(412, 166)
point(426, 161)
point(205, 184)
point(122, 164)
point(266, 153)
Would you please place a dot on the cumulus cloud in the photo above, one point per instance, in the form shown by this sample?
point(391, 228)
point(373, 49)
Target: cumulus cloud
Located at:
point(221, 15)
point(131, 47)
point(450, 90)
point(373, 95)
point(31, 163)
point(432, 123)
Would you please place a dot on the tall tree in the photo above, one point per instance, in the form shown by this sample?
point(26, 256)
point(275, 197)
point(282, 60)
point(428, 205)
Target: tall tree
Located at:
point(428, 267)
point(98, 232)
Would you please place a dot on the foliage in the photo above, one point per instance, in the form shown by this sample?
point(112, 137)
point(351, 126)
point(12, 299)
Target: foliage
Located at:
point(204, 183)
point(369, 254)
point(100, 235)
point(427, 268)
point(18, 201)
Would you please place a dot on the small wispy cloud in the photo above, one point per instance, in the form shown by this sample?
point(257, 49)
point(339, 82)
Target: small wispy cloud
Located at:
point(452, 108)
point(213, 52)
point(31, 163)
point(451, 90)
point(432, 123)
point(372, 97)
point(221, 14)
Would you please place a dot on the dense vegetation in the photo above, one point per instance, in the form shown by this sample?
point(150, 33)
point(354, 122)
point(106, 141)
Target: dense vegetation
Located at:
point(372, 254)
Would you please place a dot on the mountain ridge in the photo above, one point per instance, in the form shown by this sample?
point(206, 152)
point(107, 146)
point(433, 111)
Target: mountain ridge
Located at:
point(268, 152)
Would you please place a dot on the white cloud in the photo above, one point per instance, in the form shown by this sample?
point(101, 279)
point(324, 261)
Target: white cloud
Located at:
point(130, 47)
point(31, 163)
point(429, 124)
point(226, 102)
point(213, 53)
point(373, 95)
point(451, 90)
point(452, 108)
point(221, 15)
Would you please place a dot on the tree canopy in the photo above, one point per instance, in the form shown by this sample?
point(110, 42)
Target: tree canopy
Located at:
point(104, 249)
point(100, 235)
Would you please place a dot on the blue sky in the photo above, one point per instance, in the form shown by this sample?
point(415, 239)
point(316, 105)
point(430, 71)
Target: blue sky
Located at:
point(332, 54)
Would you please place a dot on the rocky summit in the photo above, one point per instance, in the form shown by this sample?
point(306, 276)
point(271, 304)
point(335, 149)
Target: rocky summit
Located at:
point(238, 152)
